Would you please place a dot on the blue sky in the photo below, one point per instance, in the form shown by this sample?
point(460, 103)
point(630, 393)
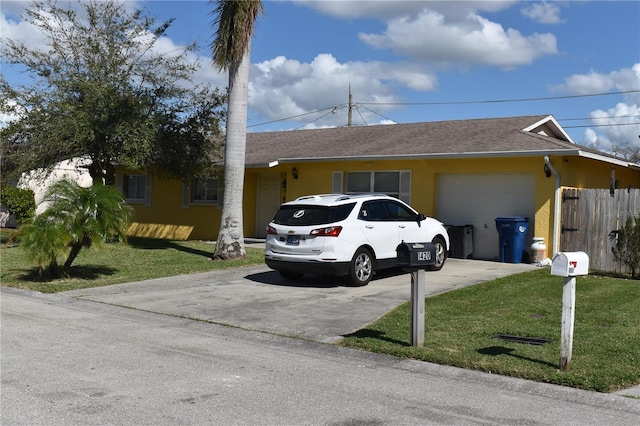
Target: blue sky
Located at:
point(412, 61)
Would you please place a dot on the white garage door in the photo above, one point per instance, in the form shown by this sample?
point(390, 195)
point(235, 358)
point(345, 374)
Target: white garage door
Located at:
point(479, 199)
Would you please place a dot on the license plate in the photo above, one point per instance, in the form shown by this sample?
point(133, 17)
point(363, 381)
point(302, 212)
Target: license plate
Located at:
point(293, 240)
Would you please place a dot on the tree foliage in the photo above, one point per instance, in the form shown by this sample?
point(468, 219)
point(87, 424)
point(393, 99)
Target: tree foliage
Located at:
point(627, 246)
point(234, 24)
point(20, 202)
point(103, 88)
point(76, 217)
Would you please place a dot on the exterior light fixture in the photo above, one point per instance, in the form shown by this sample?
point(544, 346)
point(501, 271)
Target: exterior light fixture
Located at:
point(294, 173)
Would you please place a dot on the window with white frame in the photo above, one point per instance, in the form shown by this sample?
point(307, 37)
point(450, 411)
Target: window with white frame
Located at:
point(204, 190)
point(378, 182)
point(134, 187)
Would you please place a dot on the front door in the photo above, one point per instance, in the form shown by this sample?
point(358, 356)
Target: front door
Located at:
point(268, 201)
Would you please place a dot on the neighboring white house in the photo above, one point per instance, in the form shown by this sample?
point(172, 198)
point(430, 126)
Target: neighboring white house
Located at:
point(39, 182)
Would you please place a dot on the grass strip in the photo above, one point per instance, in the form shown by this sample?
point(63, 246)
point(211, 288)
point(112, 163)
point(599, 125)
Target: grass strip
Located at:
point(461, 325)
point(114, 263)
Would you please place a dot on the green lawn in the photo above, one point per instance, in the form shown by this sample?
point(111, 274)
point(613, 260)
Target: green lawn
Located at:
point(138, 259)
point(460, 325)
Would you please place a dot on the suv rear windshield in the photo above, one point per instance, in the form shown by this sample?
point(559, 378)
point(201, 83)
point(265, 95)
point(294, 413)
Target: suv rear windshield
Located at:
point(301, 215)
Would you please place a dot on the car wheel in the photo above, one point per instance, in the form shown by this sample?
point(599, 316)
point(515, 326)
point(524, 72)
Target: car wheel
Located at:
point(291, 276)
point(441, 254)
point(361, 268)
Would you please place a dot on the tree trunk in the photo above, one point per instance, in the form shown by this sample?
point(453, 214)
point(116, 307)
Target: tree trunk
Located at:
point(230, 242)
point(54, 270)
point(75, 249)
point(104, 174)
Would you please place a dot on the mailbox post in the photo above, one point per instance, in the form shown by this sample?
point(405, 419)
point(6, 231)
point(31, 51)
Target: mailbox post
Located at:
point(568, 265)
point(415, 258)
point(417, 307)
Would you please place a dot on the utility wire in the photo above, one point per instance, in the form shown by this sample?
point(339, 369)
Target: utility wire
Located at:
point(601, 125)
point(377, 113)
point(490, 101)
point(360, 114)
point(313, 121)
point(295, 116)
point(599, 118)
point(363, 104)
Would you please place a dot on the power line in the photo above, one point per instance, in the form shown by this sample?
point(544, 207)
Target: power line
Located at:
point(598, 118)
point(601, 125)
point(488, 101)
point(377, 113)
point(313, 121)
point(493, 101)
point(295, 116)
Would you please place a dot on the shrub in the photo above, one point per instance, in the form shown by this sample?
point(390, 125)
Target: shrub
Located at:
point(627, 246)
point(20, 202)
point(77, 217)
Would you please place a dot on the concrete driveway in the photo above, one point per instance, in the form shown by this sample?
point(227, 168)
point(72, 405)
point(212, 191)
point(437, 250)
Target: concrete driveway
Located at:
point(318, 308)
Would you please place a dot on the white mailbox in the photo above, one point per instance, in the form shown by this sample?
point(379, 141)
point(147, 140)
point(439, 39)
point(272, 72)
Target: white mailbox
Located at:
point(570, 264)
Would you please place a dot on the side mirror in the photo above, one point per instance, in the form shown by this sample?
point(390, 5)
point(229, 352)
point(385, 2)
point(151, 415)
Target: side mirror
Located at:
point(421, 217)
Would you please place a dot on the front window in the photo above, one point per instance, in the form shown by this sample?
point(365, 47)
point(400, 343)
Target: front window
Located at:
point(134, 187)
point(205, 190)
point(374, 182)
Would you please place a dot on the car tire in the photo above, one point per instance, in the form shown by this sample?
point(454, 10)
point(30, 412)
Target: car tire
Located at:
point(290, 276)
point(361, 269)
point(441, 254)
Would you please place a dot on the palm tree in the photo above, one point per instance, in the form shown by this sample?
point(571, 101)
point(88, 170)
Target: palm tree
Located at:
point(77, 217)
point(235, 22)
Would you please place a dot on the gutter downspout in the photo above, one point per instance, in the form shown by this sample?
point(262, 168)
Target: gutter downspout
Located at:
point(556, 207)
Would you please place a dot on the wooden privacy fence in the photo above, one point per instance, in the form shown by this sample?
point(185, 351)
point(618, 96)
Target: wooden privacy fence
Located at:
point(590, 219)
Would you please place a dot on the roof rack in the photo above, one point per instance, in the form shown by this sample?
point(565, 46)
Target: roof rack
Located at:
point(317, 197)
point(340, 197)
point(368, 194)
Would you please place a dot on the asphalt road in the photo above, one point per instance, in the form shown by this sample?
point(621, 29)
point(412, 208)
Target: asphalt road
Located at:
point(129, 355)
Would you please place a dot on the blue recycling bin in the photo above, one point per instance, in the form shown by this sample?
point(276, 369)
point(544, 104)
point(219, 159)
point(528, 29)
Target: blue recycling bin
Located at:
point(512, 232)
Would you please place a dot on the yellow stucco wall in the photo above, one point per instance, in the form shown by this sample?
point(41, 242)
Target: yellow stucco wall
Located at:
point(580, 172)
point(166, 218)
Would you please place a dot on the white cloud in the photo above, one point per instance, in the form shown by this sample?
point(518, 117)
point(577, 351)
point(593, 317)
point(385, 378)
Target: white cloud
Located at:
point(544, 13)
point(585, 84)
point(622, 80)
point(397, 8)
point(428, 37)
point(614, 127)
point(16, 29)
point(447, 32)
point(282, 87)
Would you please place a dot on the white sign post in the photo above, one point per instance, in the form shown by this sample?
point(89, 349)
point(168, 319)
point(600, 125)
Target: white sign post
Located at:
point(568, 315)
point(417, 307)
point(568, 265)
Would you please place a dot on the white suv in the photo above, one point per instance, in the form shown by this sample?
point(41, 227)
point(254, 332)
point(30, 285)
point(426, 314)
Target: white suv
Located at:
point(347, 235)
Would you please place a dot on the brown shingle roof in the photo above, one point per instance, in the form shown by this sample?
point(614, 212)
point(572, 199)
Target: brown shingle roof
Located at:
point(478, 137)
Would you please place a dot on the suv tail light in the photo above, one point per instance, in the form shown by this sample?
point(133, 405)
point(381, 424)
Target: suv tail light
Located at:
point(271, 230)
point(331, 231)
